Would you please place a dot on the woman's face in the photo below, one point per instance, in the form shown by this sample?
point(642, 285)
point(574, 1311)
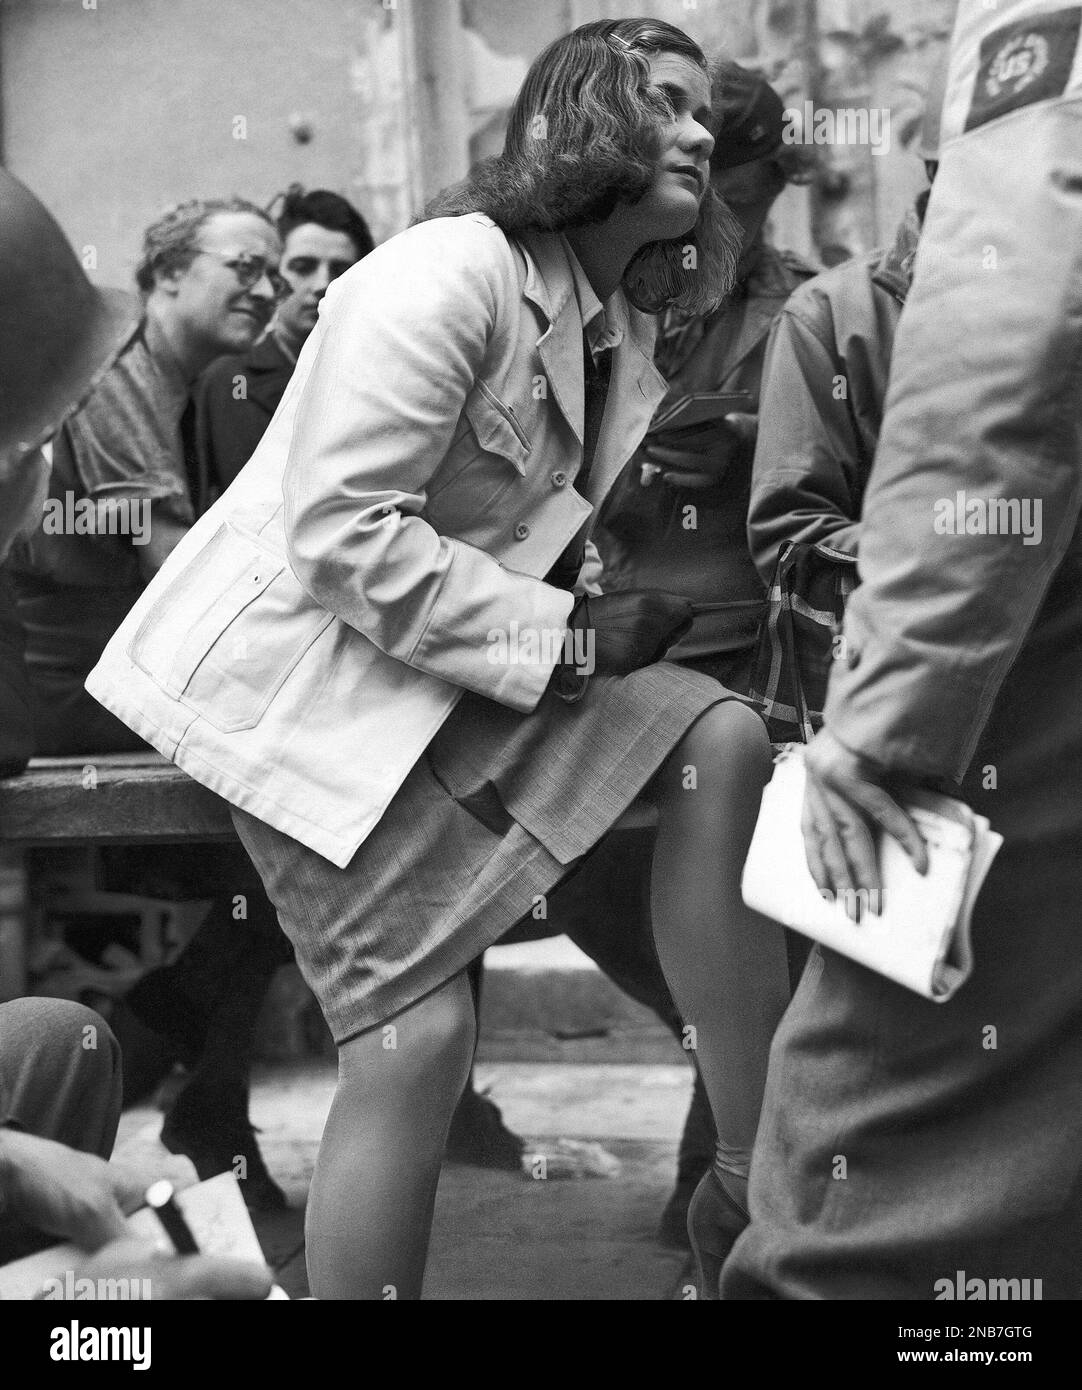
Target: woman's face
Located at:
point(670, 207)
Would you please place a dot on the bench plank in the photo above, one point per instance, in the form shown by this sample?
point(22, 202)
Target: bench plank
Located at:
point(136, 798)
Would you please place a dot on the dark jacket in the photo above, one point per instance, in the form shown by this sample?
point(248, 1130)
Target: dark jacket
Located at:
point(234, 401)
point(643, 535)
point(824, 389)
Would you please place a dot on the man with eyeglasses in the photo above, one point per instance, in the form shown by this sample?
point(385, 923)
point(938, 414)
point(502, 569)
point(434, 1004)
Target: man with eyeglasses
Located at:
point(322, 236)
point(125, 487)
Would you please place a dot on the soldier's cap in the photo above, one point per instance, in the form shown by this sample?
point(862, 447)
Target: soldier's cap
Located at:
point(748, 117)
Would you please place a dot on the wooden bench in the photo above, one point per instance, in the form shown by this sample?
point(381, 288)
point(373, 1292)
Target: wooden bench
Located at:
point(116, 798)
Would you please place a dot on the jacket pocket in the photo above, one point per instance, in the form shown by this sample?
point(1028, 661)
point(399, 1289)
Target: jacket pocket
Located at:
point(228, 631)
point(486, 459)
point(497, 426)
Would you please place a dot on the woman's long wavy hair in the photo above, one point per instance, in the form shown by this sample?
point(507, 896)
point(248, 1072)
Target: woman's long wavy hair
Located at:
point(584, 135)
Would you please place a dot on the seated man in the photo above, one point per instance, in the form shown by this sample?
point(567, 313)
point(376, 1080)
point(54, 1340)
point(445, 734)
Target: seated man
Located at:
point(57, 333)
point(122, 492)
point(60, 1092)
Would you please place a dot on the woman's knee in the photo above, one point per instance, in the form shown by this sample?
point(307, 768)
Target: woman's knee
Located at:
point(729, 741)
point(437, 1032)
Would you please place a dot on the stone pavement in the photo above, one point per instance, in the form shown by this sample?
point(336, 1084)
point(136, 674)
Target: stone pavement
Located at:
point(502, 1235)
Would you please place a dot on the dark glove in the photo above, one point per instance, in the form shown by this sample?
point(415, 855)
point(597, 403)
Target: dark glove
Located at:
point(621, 632)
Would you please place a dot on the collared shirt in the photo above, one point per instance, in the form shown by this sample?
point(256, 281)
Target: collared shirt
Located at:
point(122, 446)
point(600, 322)
point(117, 462)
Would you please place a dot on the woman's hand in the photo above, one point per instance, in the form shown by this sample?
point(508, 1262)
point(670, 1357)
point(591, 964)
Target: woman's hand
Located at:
point(845, 805)
point(630, 629)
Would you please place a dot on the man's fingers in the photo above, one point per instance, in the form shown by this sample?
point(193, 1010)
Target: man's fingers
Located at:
point(858, 847)
point(677, 458)
point(131, 1180)
point(210, 1276)
point(92, 1225)
point(175, 1277)
point(692, 481)
point(896, 821)
point(834, 875)
point(810, 828)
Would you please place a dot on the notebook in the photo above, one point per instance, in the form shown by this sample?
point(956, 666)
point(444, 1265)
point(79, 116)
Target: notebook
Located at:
point(920, 936)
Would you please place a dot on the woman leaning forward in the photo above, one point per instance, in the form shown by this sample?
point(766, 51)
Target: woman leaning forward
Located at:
point(355, 645)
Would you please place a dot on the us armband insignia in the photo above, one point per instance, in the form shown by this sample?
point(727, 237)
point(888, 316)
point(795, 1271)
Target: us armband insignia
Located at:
point(1023, 63)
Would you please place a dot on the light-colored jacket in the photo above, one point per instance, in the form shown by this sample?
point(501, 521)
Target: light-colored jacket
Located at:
point(968, 612)
point(387, 542)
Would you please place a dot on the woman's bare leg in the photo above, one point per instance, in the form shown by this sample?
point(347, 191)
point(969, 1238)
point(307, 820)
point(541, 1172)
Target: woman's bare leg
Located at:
point(725, 965)
point(374, 1187)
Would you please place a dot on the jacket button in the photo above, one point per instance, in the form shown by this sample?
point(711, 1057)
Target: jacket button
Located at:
point(853, 659)
point(559, 478)
point(522, 531)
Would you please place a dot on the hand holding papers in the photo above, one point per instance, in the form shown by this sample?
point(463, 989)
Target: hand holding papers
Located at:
point(918, 933)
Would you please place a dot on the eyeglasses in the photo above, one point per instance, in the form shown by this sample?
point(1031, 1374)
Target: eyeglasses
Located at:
point(249, 270)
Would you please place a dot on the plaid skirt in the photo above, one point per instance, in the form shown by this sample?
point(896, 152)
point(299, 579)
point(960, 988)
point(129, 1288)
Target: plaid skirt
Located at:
point(492, 817)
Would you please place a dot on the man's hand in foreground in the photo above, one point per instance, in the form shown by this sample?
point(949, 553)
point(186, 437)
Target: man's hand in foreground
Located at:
point(174, 1277)
point(73, 1195)
point(846, 804)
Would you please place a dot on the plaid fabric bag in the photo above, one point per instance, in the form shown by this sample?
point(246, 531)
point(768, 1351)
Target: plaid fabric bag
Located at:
point(795, 652)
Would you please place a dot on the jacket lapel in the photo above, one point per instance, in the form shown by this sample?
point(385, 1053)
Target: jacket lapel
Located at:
point(635, 382)
point(551, 287)
point(635, 390)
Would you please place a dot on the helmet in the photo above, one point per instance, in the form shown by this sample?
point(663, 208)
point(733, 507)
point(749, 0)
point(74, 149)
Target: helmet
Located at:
point(58, 333)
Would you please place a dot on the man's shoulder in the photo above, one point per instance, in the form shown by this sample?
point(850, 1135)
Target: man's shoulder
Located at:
point(825, 295)
point(133, 388)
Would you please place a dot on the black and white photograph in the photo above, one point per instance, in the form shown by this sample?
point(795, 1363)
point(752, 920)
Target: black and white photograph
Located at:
point(541, 662)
